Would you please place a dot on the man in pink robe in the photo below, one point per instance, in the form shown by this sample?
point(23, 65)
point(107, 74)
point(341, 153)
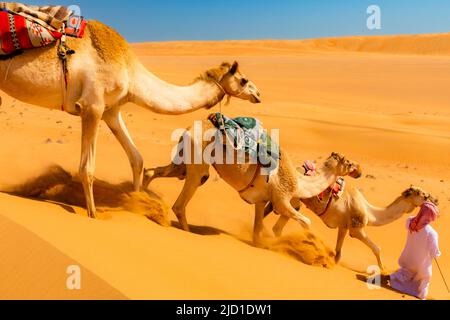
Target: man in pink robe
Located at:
point(417, 258)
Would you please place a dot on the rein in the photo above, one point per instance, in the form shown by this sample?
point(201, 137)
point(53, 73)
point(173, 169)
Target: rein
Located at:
point(330, 200)
point(223, 129)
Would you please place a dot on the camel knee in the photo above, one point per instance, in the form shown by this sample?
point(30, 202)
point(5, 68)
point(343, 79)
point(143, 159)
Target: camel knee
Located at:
point(355, 234)
point(86, 174)
point(137, 163)
point(288, 211)
point(304, 221)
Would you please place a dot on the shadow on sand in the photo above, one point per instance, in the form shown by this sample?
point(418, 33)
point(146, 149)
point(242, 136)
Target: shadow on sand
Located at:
point(56, 185)
point(385, 283)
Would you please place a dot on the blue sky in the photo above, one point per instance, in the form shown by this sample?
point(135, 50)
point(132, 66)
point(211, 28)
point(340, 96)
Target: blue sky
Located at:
point(167, 20)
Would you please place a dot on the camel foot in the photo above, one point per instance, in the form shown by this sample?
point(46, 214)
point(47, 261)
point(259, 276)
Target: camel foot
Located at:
point(184, 226)
point(384, 271)
point(338, 257)
point(257, 243)
point(277, 232)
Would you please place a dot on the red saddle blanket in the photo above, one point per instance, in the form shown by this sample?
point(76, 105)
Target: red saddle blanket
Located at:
point(18, 33)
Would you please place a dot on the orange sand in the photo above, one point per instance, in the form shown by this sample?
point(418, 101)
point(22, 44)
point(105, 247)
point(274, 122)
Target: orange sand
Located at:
point(383, 101)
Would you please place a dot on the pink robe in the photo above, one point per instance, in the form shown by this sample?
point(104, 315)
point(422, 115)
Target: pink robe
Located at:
point(416, 262)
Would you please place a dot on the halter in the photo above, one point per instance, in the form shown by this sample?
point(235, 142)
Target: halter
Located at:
point(239, 147)
point(240, 93)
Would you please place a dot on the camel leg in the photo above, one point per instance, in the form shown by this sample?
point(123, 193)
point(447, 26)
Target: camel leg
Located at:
point(269, 207)
point(280, 225)
point(283, 220)
point(258, 226)
point(114, 120)
point(286, 209)
point(268, 210)
point(170, 171)
point(197, 175)
point(361, 235)
point(342, 233)
point(90, 119)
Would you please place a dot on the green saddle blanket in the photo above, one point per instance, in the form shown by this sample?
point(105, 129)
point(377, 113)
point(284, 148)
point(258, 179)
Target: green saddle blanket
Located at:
point(248, 135)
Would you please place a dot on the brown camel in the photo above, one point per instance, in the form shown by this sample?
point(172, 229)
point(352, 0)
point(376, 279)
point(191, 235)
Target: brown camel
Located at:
point(280, 188)
point(104, 74)
point(352, 212)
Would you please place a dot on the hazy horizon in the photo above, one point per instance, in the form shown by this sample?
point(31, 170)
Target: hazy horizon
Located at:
point(197, 20)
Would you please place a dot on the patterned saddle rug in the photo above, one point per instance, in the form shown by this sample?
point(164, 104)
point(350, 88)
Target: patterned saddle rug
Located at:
point(248, 135)
point(24, 27)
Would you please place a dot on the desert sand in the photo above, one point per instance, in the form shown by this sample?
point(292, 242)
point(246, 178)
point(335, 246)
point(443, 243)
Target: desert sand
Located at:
point(383, 101)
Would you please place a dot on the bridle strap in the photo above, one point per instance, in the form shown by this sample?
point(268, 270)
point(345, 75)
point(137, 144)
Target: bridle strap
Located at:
point(330, 200)
point(240, 93)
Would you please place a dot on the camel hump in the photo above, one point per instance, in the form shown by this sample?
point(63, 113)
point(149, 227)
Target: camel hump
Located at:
point(109, 44)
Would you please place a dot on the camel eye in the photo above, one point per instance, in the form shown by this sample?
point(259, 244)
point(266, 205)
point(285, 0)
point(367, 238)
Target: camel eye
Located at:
point(244, 82)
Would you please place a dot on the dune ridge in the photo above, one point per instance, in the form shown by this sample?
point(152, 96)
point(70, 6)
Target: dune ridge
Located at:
point(421, 44)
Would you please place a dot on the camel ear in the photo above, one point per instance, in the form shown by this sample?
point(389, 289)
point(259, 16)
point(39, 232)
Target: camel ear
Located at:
point(234, 68)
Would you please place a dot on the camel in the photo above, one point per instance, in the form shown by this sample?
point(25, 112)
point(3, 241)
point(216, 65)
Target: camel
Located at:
point(104, 74)
point(352, 212)
point(253, 187)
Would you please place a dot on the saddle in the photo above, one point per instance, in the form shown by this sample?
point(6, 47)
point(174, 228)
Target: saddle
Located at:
point(24, 27)
point(248, 135)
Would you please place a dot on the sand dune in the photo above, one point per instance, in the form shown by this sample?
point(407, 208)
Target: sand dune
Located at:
point(424, 44)
point(382, 101)
point(34, 269)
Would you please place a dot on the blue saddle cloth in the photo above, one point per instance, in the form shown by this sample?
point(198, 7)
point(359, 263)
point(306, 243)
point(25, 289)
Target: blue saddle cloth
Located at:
point(248, 134)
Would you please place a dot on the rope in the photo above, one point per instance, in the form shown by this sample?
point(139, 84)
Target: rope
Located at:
point(442, 275)
point(63, 52)
point(238, 147)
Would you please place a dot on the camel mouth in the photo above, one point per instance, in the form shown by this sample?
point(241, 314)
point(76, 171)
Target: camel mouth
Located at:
point(433, 200)
point(256, 99)
point(356, 174)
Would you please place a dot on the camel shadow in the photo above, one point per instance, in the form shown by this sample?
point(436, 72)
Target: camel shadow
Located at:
point(385, 283)
point(57, 186)
point(202, 230)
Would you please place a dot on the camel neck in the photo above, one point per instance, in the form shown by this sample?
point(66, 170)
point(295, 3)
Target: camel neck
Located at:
point(162, 97)
point(309, 187)
point(389, 214)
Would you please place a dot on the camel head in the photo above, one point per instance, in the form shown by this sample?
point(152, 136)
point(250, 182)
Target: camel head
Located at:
point(344, 166)
point(233, 82)
point(417, 197)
